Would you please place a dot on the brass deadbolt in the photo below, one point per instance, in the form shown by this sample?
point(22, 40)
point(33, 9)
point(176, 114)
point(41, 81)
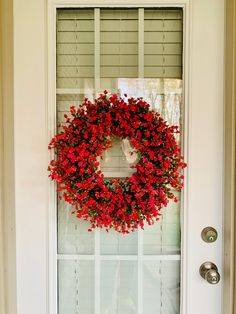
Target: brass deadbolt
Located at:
point(209, 234)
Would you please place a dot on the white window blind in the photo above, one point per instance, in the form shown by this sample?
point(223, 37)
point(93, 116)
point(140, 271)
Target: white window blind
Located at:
point(75, 48)
point(139, 52)
point(163, 32)
point(119, 46)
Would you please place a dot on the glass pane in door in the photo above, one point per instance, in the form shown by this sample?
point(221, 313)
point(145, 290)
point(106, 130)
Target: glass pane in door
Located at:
point(161, 287)
point(76, 286)
point(137, 52)
point(119, 293)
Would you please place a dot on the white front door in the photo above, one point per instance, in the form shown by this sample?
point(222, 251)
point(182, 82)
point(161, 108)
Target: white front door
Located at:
point(172, 54)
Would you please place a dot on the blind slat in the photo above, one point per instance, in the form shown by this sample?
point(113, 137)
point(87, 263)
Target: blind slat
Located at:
point(79, 71)
point(119, 72)
point(76, 14)
point(166, 25)
point(159, 37)
point(75, 60)
point(72, 25)
point(119, 25)
point(163, 48)
point(127, 48)
point(74, 37)
point(117, 37)
point(82, 83)
point(166, 72)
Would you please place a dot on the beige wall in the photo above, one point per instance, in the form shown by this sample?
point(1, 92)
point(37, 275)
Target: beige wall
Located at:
point(229, 217)
point(2, 302)
point(7, 227)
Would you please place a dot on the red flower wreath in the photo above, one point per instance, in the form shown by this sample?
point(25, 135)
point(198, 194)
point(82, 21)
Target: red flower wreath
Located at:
point(122, 204)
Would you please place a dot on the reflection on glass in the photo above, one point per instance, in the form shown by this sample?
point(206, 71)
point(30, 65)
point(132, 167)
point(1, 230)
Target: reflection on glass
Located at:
point(119, 287)
point(118, 159)
point(113, 243)
point(161, 288)
point(73, 235)
point(75, 287)
point(163, 95)
point(164, 236)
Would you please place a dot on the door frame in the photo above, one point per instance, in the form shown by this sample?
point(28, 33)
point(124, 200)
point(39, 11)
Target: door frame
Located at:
point(229, 298)
point(7, 197)
point(6, 37)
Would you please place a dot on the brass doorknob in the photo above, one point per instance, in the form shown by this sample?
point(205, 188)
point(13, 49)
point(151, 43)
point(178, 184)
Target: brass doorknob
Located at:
point(209, 272)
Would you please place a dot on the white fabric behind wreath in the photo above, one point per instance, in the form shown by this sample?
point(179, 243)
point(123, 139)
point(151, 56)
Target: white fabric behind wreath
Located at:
point(130, 153)
point(127, 149)
point(118, 160)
